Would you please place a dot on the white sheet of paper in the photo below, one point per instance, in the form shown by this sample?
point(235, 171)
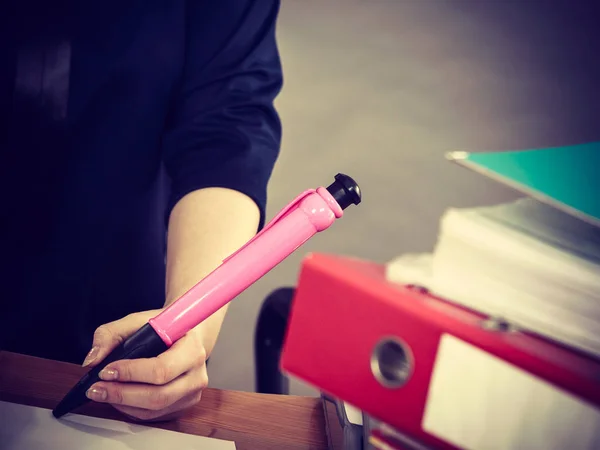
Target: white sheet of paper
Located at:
point(30, 428)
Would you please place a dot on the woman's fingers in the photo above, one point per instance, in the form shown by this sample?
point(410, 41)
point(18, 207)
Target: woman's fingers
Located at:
point(149, 388)
point(109, 335)
point(182, 357)
point(148, 396)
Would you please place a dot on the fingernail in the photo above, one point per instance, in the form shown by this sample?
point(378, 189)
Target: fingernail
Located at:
point(109, 374)
point(91, 356)
point(96, 394)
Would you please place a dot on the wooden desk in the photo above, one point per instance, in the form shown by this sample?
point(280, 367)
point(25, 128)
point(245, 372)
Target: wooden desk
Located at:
point(253, 421)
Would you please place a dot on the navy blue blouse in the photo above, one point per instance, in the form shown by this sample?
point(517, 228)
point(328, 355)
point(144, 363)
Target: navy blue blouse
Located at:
point(111, 112)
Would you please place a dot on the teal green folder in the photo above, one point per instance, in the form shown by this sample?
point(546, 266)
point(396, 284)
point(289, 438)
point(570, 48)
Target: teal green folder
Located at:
point(566, 177)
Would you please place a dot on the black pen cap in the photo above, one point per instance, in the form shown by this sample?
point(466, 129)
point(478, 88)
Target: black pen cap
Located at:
point(345, 191)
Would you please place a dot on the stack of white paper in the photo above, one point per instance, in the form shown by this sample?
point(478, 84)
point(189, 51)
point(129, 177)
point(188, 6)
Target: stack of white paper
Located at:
point(29, 428)
point(526, 262)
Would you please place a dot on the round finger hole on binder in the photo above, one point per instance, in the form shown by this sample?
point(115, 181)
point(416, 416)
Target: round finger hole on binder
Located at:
point(391, 362)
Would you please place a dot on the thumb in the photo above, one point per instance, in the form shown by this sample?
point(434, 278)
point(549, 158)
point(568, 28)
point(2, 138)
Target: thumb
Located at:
point(110, 335)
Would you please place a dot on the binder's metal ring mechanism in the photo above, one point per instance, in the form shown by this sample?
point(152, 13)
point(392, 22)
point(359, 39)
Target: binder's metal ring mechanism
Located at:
point(392, 362)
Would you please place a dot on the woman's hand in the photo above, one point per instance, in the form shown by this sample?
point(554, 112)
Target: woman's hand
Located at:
point(148, 389)
point(205, 226)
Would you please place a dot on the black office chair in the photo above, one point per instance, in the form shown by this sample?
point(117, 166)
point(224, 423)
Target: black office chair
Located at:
point(268, 345)
point(268, 341)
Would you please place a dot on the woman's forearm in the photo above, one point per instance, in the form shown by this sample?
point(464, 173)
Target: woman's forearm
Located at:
point(205, 227)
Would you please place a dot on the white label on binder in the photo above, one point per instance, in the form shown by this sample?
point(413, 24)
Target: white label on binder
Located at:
point(478, 401)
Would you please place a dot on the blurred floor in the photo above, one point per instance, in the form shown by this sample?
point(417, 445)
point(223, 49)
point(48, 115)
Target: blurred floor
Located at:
point(381, 89)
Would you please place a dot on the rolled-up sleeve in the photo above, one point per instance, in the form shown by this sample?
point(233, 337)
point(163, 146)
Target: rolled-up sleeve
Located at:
point(223, 130)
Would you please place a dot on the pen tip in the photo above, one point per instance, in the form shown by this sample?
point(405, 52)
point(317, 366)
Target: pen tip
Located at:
point(59, 411)
point(74, 399)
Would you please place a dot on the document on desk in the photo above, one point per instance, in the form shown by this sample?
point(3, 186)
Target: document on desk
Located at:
point(30, 428)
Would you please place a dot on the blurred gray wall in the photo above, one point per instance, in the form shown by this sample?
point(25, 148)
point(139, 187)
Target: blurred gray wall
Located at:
point(381, 89)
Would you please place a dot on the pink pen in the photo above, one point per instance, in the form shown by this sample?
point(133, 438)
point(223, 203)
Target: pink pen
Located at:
point(312, 211)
